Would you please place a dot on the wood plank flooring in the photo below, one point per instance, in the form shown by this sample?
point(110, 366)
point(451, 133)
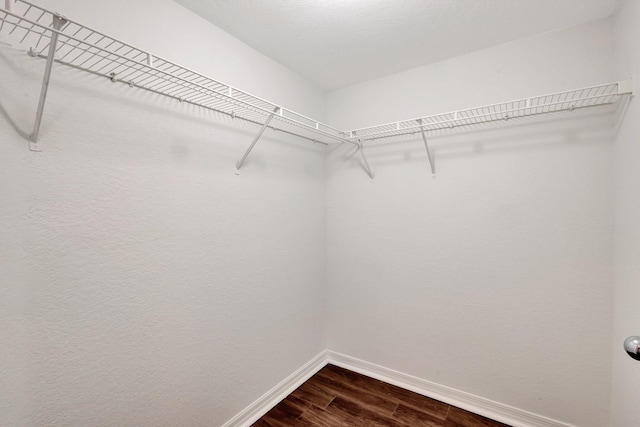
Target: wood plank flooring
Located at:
point(338, 397)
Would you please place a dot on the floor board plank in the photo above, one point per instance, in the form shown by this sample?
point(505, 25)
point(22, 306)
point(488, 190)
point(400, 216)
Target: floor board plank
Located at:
point(460, 418)
point(319, 417)
point(337, 397)
point(313, 394)
point(361, 395)
point(413, 417)
point(357, 411)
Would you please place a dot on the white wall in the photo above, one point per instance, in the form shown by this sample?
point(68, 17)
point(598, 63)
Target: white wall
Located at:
point(495, 278)
point(142, 283)
point(626, 319)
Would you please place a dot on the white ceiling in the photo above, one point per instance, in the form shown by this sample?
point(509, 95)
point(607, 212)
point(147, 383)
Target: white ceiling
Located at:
point(336, 43)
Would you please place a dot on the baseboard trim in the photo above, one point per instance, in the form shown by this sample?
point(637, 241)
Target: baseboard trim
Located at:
point(479, 405)
point(257, 409)
point(497, 411)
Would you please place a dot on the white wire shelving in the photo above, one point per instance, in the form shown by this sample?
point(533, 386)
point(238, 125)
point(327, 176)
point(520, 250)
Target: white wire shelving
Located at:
point(58, 39)
point(594, 96)
point(55, 37)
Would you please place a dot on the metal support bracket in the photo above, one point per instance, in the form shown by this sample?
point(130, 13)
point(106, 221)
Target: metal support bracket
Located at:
point(426, 146)
point(58, 22)
point(255, 140)
point(364, 159)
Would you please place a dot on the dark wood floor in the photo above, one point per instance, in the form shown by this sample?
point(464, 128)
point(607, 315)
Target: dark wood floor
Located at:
point(338, 397)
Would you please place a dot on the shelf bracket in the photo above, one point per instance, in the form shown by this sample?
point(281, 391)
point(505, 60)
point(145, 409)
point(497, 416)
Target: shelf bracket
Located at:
point(364, 159)
point(426, 146)
point(58, 22)
point(255, 140)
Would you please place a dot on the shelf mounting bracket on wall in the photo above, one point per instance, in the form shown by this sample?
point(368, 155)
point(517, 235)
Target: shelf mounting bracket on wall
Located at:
point(255, 140)
point(364, 159)
point(426, 146)
point(40, 30)
point(80, 47)
point(58, 22)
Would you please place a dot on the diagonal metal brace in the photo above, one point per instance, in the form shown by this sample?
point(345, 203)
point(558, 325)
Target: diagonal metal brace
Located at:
point(58, 22)
point(364, 159)
point(426, 145)
point(255, 140)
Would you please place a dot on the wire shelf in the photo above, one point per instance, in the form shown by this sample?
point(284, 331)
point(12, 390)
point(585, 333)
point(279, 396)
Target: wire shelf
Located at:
point(78, 46)
point(594, 96)
point(56, 38)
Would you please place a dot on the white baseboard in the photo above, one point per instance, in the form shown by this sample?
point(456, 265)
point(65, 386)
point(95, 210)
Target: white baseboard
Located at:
point(257, 409)
point(497, 411)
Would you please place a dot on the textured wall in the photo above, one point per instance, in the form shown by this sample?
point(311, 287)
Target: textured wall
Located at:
point(495, 277)
point(169, 30)
point(143, 283)
point(532, 66)
point(361, 39)
point(626, 371)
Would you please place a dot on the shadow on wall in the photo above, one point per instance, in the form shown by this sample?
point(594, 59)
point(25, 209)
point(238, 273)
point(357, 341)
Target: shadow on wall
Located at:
point(6, 100)
point(515, 135)
point(19, 102)
point(5, 114)
point(528, 134)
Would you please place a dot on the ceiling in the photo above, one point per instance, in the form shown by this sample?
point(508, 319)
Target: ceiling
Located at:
point(336, 43)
